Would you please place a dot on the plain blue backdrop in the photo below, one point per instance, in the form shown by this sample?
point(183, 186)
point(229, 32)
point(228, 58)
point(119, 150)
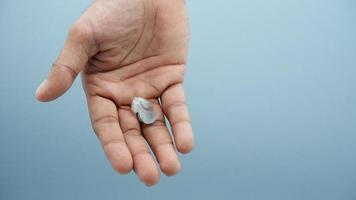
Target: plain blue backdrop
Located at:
point(278, 79)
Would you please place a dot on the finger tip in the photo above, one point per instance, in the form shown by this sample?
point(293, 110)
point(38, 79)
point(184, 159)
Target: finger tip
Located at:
point(150, 180)
point(53, 87)
point(146, 170)
point(43, 92)
point(150, 177)
point(169, 161)
point(123, 168)
point(119, 157)
point(40, 97)
point(183, 135)
point(39, 94)
point(170, 169)
point(186, 146)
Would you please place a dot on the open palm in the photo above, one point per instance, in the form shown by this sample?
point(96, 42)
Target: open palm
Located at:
point(125, 49)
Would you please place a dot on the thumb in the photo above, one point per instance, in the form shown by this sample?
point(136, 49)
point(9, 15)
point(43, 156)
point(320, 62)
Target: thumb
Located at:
point(70, 62)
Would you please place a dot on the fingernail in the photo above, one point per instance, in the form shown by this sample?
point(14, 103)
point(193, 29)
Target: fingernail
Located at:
point(41, 86)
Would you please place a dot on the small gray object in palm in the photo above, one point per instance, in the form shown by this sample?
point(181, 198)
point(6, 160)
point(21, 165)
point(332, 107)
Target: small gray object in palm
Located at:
point(144, 111)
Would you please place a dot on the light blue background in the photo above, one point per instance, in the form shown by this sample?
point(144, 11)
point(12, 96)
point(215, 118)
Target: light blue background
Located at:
point(278, 76)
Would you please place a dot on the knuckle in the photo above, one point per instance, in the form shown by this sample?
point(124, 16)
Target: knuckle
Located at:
point(162, 144)
point(104, 120)
point(106, 144)
point(175, 106)
point(134, 131)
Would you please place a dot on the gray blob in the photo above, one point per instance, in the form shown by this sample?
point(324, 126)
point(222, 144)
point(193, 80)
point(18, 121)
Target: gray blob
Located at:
point(144, 111)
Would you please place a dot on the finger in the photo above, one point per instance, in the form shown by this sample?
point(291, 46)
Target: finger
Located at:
point(160, 141)
point(104, 117)
point(175, 108)
point(144, 164)
point(70, 62)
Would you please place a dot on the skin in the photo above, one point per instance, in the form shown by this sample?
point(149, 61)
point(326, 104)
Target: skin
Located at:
point(125, 49)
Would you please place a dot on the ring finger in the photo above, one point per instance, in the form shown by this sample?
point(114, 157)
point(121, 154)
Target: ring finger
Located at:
point(161, 143)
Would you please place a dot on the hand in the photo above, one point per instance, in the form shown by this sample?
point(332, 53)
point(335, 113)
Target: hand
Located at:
point(125, 49)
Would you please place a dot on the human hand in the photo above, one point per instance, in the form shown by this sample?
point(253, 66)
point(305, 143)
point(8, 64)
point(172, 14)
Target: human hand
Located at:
point(125, 49)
